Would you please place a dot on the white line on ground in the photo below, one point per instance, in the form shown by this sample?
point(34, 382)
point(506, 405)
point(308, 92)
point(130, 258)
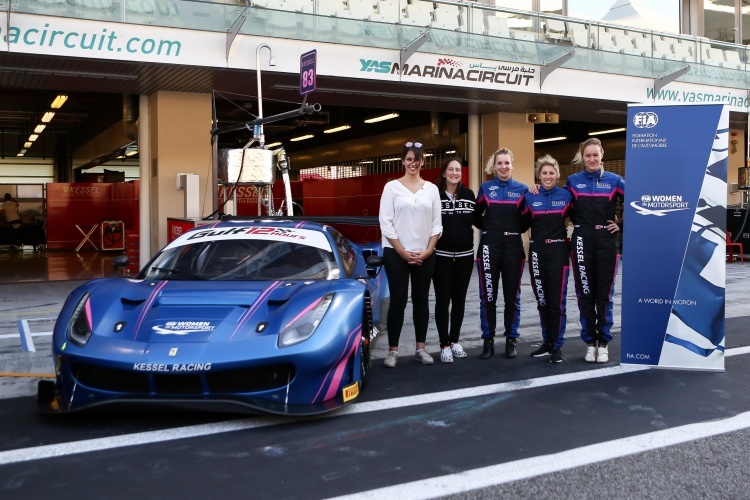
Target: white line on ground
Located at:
point(140, 438)
point(535, 466)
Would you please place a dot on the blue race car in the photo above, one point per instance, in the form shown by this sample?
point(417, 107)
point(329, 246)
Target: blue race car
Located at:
point(272, 316)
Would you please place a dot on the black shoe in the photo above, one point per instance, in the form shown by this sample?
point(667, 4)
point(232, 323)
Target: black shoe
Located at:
point(510, 348)
point(488, 350)
point(544, 350)
point(557, 356)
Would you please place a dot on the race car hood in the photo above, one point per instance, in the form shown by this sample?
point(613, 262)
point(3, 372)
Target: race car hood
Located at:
point(179, 311)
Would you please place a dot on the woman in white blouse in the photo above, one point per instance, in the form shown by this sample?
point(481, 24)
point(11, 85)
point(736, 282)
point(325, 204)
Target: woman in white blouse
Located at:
point(410, 221)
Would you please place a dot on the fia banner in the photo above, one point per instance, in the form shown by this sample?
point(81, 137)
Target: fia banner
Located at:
point(674, 243)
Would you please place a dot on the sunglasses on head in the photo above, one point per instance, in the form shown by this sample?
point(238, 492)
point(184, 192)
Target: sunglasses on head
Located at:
point(413, 144)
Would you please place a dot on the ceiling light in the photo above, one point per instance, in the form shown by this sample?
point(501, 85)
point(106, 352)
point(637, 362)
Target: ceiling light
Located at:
point(59, 101)
point(395, 158)
point(609, 131)
point(427, 155)
point(273, 144)
point(27, 145)
point(48, 116)
point(560, 138)
point(302, 138)
point(132, 152)
point(33, 137)
point(366, 162)
point(337, 129)
point(451, 152)
point(21, 153)
point(382, 118)
point(39, 128)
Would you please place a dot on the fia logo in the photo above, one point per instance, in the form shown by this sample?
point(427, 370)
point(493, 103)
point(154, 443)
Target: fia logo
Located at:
point(645, 119)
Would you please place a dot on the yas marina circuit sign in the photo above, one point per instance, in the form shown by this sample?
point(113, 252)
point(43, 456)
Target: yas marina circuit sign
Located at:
point(674, 220)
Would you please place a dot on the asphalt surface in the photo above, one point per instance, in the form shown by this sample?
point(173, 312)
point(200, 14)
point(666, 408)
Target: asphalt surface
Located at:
point(500, 428)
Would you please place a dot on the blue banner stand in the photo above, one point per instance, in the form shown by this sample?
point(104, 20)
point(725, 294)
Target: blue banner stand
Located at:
point(674, 268)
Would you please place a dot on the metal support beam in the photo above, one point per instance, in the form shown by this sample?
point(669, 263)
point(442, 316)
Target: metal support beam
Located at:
point(551, 65)
point(412, 47)
point(235, 29)
point(667, 78)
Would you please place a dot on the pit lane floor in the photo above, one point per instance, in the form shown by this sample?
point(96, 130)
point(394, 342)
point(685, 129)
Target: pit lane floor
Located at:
point(421, 431)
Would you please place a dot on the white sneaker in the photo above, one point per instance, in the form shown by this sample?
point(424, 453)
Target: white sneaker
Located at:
point(423, 357)
point(458, 351)
point(390, 359)
point(446, 355)
point(590, 354)
point(602, 354)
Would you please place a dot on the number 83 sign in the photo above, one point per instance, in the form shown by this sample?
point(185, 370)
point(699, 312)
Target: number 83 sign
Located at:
point(307, 72)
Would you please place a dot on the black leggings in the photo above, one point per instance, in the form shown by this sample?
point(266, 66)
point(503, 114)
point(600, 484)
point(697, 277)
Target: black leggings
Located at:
point(399, 272)
point(451, 280)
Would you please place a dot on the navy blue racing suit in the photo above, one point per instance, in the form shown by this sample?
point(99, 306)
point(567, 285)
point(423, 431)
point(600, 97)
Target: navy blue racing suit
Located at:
point(549, 265)
point(594, 250)
point(498, 214)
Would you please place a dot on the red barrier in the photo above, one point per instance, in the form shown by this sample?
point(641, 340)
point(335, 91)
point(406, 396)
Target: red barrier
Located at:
point(85, 205)
point(247, 199)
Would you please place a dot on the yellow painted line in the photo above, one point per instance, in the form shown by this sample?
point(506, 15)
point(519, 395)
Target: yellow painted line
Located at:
point(29, 375)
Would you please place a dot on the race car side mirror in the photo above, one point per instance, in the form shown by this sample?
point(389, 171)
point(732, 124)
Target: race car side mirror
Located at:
point(121, 261)
point(374, 263)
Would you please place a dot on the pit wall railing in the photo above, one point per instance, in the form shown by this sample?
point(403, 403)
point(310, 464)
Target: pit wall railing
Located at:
point(455, 28)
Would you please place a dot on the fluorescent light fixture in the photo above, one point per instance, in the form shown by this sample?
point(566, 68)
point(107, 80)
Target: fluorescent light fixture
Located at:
point(27, 145)
point(33, 137)
point(382, 118)
point(427, 155)
point(132, 152)
point(395, 158)
point(39, 128)
point(337, 129)
point(21, 153)
point(273, 144)
point(47, 117)
point(609, 131)
point(59, 101)
point(302, 137)
point(451, 152)
point(551, 139)
point(365, 162)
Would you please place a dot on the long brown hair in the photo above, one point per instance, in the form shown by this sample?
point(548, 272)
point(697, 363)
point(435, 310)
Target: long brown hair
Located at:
point(441, 182)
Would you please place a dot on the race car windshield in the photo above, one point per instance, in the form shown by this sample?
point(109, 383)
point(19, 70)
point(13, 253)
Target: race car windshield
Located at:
point(243, 260)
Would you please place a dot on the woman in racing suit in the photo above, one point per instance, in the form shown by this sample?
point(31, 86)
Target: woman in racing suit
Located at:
point(548, 255)
point(594, 246)
point(498, 214)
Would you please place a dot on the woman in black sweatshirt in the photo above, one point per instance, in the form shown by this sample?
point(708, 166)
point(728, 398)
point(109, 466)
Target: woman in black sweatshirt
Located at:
point(455, 258)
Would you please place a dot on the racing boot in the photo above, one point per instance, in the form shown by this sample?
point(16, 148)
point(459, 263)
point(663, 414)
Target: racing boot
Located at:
point(488, 350)
point(510, 348)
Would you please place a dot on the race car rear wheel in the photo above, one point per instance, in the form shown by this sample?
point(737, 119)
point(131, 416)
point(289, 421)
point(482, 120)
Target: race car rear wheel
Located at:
point(365, 355)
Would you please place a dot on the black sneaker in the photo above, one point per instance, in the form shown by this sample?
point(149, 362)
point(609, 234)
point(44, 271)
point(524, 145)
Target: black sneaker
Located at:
point(557, 356)
point(488, 350)
point(510, 348)
point(544, 350)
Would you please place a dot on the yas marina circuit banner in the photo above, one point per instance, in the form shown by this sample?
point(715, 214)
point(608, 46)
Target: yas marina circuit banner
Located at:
point(673, 275)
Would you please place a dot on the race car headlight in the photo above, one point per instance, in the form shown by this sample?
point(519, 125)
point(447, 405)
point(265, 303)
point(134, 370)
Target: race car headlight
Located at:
point(304, 325)
point(79, 326)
